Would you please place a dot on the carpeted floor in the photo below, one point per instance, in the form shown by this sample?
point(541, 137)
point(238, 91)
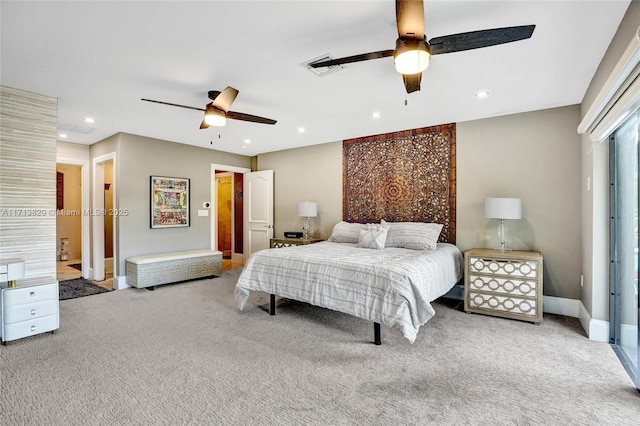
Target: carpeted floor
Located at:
point(79, 287)
point(184, 354)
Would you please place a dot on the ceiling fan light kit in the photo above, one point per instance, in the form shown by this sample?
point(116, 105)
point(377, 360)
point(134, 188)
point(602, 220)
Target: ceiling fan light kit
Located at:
point(214, 117)
point(411, 56)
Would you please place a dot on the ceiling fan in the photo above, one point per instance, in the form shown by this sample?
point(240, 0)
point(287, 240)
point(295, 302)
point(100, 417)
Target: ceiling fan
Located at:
point(217, 112)
point(412, 52)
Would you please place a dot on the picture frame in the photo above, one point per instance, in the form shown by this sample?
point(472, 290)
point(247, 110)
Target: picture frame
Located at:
point(169, 202)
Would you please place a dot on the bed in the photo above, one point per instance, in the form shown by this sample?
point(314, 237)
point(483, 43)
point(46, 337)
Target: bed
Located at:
point(392, 284)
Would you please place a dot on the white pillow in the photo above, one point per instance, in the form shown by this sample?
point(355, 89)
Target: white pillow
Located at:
point(373, 237)
point(413, 235)
point(346, 232)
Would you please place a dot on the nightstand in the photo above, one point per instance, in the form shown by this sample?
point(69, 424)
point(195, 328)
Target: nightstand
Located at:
point(505, 284)
point(31, 307)
point(288, 242)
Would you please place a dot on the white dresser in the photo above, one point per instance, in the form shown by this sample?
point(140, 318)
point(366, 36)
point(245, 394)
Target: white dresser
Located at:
point(29, 308)
point(506, 284)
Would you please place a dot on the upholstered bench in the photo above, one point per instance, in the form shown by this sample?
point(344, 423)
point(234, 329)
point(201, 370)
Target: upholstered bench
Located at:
point(162, 268)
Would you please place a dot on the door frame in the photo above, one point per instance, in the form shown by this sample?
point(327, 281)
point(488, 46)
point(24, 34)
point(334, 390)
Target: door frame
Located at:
point(97, 270)
point(235, 257)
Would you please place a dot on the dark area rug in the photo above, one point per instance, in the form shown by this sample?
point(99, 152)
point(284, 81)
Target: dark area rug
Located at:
point(77, 266)
point(79, 287)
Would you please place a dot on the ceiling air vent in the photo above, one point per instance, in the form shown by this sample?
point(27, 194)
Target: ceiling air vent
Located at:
point(74, 128)
point(322, 71)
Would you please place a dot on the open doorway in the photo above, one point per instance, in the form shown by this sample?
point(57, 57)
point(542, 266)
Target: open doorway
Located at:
point(227, 213)
point(68, 221)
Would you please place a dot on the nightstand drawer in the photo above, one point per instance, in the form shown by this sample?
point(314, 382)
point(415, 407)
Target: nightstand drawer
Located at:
point(510, 268)
point(503, 285)
point(26, 295)
point(22, 329)
point(30, 311)
point(493, 303)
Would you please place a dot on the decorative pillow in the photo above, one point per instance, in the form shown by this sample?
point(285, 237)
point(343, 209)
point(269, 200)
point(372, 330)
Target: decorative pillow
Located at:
point(413, 235)
point(373, 237)
point(346, 232)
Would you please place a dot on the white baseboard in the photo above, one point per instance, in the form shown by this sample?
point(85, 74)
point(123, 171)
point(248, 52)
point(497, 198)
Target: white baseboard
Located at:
point(597, 330)
point(120, 283)
point(561, 306)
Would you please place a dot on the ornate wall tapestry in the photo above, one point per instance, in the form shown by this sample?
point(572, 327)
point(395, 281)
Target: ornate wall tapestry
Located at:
point(407, 176)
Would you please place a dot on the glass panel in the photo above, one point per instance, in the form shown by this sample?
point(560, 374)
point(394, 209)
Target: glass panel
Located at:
point(624, 244)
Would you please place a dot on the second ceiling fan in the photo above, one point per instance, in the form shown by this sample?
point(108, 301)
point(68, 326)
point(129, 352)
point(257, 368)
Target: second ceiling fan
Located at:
point(412, 52)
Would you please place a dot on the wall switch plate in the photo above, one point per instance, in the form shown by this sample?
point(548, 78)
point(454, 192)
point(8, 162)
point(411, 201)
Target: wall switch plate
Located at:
point(203, 212)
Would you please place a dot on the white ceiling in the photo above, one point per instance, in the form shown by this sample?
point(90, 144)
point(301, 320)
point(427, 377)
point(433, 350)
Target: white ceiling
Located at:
point(100, 58)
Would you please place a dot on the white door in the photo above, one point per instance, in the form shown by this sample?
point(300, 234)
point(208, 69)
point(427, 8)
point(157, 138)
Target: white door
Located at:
point(258, 211)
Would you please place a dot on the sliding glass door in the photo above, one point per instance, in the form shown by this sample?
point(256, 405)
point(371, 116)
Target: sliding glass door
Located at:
point(624, 312)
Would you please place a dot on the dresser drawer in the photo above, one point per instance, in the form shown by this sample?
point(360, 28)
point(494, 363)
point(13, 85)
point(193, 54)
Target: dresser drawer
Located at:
point(512, 268)
point(22, 329)
point(494, 303)
point(25, 295)
point(503, 285)
point(30, 311)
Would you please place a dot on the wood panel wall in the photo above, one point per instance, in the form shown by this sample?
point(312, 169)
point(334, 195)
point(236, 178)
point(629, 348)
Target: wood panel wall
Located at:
point(407, 176)
point(28, 124)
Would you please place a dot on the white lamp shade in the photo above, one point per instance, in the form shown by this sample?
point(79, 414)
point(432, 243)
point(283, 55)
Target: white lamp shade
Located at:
point(503, 208)
point(307, 209)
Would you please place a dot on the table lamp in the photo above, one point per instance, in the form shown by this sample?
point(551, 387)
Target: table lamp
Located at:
point(306, 209)
point(502, 208)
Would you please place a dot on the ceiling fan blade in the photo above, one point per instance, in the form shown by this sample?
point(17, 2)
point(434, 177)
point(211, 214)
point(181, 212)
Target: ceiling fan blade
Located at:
point(354, 58)
point(224, 100)
point(248, 117)
point(204, 125)
point(410, 18)
point(478, 39)
point(412, 82)
point(175, 105)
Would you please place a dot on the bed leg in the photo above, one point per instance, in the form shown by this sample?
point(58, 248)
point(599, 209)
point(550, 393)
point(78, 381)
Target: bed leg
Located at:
point(376, 333)
point(272, 305)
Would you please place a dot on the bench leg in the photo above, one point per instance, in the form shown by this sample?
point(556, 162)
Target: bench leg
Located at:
point(376, 333)
point(272, 305)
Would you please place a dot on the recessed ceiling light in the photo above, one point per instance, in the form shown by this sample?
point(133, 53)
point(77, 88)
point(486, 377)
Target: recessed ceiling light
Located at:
point(301, 130)
point(376, 114)
point(247, 141)
point(89, 120)
point(62, 135)
point(482, 94)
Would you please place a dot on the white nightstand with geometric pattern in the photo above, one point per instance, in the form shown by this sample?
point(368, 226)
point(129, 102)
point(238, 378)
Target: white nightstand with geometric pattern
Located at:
point(504, 283)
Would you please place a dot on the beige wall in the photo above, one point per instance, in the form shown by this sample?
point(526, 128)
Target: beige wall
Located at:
point(69, 223)
point(312, 173)
point(534, 156)
point(595, 167)
point(138, 158)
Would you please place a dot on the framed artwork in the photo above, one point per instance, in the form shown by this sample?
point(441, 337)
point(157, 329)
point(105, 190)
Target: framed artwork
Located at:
point(169, 202)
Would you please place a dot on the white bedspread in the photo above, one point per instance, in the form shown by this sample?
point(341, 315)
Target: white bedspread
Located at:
point(392, 286)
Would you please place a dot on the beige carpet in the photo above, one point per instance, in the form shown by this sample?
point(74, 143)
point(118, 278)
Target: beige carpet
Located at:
point(184, 354)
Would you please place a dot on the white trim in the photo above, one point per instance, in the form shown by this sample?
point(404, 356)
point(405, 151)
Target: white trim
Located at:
point(98, 219)
point(120, 283)
point(83, 162)
point(597, 330)
point(561, 306)
point(625, 66)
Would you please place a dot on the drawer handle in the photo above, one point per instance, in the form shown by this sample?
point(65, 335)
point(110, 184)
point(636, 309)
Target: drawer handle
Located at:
point(33, 293)
point(33, 312)
point(33, 328)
